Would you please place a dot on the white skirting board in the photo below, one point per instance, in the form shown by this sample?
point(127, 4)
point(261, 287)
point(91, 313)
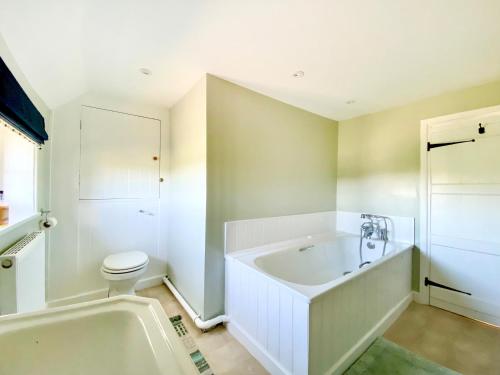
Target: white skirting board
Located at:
point(469, 313)
point(271, 365)
point(103, 293)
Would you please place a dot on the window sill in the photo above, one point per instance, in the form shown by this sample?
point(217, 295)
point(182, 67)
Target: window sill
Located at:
point(10, 227)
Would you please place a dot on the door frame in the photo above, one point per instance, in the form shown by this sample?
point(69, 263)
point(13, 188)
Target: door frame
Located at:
point(423, 295)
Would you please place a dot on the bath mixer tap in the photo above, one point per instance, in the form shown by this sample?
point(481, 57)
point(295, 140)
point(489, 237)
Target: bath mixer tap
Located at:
point(368, 229)
point(372, 230)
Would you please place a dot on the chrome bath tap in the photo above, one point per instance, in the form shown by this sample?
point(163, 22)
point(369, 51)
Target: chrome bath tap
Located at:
point(372, 230)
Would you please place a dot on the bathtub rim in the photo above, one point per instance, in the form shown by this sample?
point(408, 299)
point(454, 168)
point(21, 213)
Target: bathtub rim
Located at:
point(309, 293)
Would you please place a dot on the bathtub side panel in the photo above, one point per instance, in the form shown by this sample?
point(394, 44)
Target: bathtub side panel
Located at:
point(267, 319)
point(300, 337)
point(344, 321)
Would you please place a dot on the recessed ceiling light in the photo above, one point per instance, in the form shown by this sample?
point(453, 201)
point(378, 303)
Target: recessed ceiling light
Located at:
point(146, 71)
point(298, 74)
point(351, 101)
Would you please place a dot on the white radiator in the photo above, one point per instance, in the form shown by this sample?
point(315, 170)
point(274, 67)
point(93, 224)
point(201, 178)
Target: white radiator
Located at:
point(22, 275)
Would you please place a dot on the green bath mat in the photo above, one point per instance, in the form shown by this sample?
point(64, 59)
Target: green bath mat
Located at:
point(384, 357)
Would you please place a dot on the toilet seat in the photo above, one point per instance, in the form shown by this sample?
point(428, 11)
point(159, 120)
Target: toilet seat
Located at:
point(116, 272)
point(127, 262)
point(123, 270)
point(123, 275)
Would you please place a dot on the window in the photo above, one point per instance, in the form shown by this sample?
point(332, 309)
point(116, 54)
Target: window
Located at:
point(17, 175)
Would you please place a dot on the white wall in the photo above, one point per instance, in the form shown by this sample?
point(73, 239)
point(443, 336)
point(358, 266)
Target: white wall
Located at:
point(67, 275)
point(187, 194)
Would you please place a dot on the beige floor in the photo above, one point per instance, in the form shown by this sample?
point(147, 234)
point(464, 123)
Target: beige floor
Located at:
point(224, 354)
point(462, 344)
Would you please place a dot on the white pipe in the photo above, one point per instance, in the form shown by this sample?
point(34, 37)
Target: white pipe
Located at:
point(201, 324)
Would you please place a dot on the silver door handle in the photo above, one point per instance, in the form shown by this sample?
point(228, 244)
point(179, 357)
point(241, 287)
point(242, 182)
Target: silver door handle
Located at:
point(146, 212)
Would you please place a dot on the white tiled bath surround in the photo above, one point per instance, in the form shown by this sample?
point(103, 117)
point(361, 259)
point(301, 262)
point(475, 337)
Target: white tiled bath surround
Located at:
point(247, 234)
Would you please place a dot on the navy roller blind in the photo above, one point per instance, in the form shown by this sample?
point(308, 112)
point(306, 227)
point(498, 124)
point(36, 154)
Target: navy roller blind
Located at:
point(17, 109)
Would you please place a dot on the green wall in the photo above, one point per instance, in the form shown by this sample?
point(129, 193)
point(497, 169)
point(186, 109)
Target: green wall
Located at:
point(264, 158)
point(379, 155)
point(187, 195)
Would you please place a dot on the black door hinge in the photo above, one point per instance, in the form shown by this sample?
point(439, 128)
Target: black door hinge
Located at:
point(437, 285)
point(430, 146)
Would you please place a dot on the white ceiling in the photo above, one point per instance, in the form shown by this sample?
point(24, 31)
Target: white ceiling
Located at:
point(381, 53)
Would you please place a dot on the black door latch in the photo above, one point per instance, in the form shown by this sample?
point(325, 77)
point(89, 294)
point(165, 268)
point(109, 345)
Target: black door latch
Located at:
point(437, 285)
point(430, 146)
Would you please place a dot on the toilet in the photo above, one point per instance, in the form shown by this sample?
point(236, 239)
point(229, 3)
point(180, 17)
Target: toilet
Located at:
point(123, 270)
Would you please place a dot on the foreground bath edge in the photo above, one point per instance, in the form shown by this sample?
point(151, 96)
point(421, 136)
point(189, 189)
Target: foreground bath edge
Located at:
point(45, 336)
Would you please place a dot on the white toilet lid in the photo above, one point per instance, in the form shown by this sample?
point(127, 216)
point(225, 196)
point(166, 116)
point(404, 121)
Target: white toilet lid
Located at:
point(125, 261)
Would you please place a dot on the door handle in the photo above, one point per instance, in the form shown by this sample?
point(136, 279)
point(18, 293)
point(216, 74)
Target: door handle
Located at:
point(146, 213)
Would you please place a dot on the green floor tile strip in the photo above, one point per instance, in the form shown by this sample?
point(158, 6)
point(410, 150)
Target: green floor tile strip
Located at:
point(384, 357)
point(196, 356)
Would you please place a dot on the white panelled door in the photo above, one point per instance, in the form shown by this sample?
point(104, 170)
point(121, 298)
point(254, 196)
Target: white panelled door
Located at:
point(119, 155)
point(464, 214)
point(119, 191)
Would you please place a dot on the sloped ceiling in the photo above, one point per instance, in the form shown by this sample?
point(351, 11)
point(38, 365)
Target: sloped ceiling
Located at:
point(379, 53)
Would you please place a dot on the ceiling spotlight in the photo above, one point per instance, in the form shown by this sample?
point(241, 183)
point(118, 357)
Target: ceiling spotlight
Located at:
point(298, 74)
point(146, 71)
point(351, 101)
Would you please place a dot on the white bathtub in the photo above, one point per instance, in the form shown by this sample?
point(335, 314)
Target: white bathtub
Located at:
point(124, 335)
point(312, 310)
point(325, 262)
